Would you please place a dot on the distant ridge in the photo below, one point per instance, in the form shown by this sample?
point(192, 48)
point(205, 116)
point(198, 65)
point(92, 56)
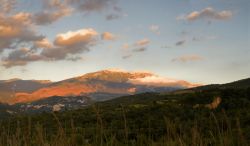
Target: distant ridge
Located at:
point(243, 83)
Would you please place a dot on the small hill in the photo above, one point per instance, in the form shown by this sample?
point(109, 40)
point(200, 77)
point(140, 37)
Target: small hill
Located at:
point(243, 83)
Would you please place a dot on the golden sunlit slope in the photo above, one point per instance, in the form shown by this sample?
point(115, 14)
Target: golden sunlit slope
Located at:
point(106, 81)
point(8, 88)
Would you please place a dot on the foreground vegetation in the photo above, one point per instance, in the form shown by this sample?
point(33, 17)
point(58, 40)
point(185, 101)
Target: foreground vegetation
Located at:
point(176, 119)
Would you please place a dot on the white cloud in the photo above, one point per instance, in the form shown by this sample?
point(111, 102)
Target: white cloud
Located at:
point(207, 13)
point(71, 43)
point(155, 80)
point(83, 33)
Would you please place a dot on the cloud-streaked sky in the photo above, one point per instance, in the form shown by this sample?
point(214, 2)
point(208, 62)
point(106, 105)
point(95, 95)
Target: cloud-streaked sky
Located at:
point(205, 41)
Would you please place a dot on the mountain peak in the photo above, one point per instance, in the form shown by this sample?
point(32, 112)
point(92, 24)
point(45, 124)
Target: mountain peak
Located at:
point(35, 81)
point(113, 75)
point(125, 71)
point(12, 80)
point(134, 77)
point(42, 81)
point(114, 70)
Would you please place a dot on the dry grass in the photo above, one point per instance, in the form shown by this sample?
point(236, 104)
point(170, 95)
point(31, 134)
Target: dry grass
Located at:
point(219, 133)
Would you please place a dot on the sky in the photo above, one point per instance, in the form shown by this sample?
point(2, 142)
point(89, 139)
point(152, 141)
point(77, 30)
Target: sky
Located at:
point(202, 41)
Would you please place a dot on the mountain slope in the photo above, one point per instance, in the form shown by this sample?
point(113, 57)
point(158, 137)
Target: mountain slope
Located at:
point(98, 84)
point(58, 103)
point(8, 88)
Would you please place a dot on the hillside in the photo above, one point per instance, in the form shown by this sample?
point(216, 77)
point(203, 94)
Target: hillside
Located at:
point(8, 88)
point(244, 83)
point(240, 84)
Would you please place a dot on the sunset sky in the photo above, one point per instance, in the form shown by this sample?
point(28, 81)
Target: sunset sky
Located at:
point(205, 41)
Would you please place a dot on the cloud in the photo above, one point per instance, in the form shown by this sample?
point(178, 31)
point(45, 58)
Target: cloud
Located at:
point(55, 4)
point(53, 11)
point(139, 49)
point(46, 17)
point(89, 6)
point(155, 29)
point(20, 29)
point(197, 39)
point(75, 58)
point(108, 36)
point(203, 38)
point(155, 80)
point(141, 45)
point(152, 79)
point(98, 6)
point(127, 56)
point(44, 43)
point(125, 46)
point(7, 6)
point(20, 57)
point(126, 51)
point(207, 13)
point(66, 46)
point(142, 42)
point(180, 43)
point(17, 29)
point(112, 16)
point(95, 5)
point(56, 9)
point(117, 13)
point(75, 38)
point(71, 43)
point(117, 9)
point(187, 58)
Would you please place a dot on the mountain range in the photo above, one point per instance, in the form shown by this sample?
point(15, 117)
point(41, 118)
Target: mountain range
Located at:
point(216, 113)
point(36, 96)
point(100, 85)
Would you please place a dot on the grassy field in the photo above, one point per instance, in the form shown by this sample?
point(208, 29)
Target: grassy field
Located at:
point(148, 119)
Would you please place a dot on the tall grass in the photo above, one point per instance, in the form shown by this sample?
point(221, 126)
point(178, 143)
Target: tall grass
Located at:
point(218, 133)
